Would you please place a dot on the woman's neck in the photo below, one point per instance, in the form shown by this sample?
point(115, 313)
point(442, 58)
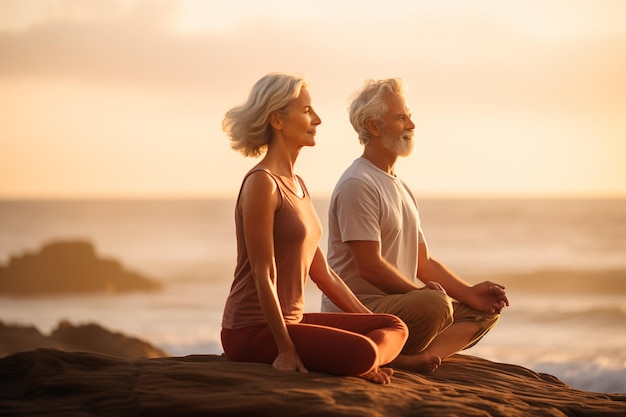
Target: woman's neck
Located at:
point(280, 161)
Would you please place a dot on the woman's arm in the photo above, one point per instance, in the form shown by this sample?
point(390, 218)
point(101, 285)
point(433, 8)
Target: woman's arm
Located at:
point(258, 201)
point(333, 286)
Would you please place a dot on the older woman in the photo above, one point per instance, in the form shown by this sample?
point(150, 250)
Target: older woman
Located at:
point(278, 233)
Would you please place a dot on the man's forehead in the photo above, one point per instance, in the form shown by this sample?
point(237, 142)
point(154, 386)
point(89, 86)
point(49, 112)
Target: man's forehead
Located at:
point(397, 104)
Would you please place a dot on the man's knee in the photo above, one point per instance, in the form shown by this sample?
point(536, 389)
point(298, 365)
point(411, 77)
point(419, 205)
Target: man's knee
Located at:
point(433, 314)
point(489, 321)
point(464, 313)
point(429, 310)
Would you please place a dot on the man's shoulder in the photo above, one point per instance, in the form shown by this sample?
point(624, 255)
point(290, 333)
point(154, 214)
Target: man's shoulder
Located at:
point(357, 183)
point(358, 172)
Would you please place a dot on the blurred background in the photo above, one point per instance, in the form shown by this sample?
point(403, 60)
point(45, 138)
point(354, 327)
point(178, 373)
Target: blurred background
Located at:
point(126, 97)
point(110, 132)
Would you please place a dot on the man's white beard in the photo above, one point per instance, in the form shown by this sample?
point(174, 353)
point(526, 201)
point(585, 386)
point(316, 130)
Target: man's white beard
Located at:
point(401, 145)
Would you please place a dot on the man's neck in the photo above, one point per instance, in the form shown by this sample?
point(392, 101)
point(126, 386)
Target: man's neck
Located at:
point(381, 158)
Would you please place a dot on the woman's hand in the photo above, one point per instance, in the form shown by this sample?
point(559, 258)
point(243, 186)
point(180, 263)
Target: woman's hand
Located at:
point(379, 376)
point(289, 361)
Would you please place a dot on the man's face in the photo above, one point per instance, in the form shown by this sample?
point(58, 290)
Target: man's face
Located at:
point(397, 132)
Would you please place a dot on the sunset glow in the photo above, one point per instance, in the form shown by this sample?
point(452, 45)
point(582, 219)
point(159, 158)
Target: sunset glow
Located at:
point(126, 98)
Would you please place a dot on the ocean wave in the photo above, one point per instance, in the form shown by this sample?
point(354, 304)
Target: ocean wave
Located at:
point(205, 347)
point(606, 316)
point(590, 376)
point(565, 282)
point(598, 369)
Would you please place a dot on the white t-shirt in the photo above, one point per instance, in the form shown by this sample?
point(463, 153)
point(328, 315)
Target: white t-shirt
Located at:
point(369, 204)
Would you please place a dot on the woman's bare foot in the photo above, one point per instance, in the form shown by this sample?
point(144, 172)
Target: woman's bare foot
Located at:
point(378, 376)
point(420, 362)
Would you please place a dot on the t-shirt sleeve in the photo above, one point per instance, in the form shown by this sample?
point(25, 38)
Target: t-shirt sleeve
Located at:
point(357, 207)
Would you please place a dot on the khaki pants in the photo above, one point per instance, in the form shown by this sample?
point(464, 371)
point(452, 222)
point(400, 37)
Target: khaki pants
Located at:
point(427, 313)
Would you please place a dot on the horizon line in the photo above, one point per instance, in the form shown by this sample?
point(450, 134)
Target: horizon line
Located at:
point(315, 196)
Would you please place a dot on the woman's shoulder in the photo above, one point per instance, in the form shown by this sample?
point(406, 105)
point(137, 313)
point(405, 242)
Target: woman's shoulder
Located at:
point(259, 187)
point(259, 178)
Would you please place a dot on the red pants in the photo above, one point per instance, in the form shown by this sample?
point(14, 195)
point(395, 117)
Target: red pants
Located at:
point(334, 343)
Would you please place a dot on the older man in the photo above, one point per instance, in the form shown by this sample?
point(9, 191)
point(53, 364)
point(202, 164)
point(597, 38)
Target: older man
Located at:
point(377, 246)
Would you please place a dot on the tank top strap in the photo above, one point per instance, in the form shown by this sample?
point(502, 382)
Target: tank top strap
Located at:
point(277, 181)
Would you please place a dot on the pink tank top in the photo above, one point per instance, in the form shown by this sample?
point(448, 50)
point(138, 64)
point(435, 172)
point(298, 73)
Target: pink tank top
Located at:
point(297, 232)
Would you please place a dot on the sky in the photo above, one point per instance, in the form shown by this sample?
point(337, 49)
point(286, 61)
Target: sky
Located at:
point(125, 98)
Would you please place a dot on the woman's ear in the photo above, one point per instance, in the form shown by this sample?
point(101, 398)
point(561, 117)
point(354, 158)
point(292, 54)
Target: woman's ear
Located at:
point(276, 120)
point(373, 126)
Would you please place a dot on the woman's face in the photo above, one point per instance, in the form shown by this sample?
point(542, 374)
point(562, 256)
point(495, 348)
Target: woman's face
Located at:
point(300, 121)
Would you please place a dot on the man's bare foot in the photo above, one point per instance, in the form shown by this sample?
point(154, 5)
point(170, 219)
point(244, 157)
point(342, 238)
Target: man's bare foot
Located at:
point(379, 376)
point(420, 362)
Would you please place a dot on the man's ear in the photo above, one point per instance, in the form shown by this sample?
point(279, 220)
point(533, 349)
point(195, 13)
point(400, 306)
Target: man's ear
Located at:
point(276, 120)
point(373, 126)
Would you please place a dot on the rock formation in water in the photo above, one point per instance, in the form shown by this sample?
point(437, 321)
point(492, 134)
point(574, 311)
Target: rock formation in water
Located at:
point(69, 267)
point(88, 337)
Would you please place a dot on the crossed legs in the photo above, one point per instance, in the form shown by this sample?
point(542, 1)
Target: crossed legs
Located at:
point(438, 326)
point(334, 343)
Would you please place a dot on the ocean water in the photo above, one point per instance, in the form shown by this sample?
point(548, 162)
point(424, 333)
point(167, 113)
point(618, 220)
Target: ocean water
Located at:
point(563, 261)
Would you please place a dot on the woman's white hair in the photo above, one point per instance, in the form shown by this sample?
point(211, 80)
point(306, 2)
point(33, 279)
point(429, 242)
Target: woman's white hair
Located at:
point(247, 126)
point(369, 104)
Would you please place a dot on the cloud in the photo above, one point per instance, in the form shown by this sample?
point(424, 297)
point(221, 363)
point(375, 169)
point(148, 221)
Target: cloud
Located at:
point(134, 87)
point(462, 60)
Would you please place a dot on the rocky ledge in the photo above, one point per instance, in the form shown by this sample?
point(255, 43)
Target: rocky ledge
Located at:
point(48, 382)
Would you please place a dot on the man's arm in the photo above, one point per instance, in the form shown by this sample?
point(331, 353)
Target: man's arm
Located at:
point(333, 287)
point(376, 270)
point(487, 296)
point(429, 269)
